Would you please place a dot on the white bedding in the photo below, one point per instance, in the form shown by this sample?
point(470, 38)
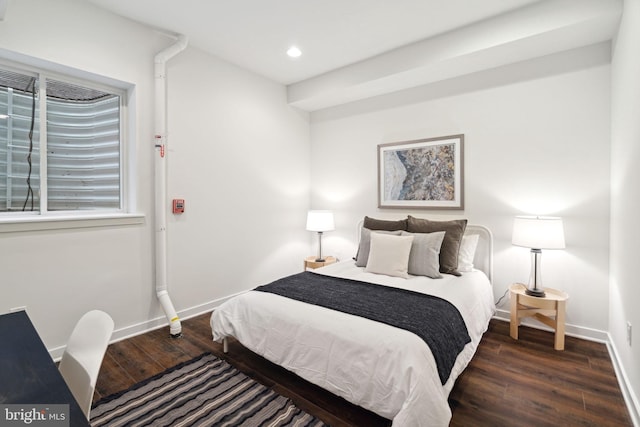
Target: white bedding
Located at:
point(387, 370)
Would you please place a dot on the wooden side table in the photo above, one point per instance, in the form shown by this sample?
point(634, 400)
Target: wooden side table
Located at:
point(310, 262)
point(549, 310)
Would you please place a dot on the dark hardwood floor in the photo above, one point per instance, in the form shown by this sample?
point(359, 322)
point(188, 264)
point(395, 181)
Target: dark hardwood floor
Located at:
point(508, 382)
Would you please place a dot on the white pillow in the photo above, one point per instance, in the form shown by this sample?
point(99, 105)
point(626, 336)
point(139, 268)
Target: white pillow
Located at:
point(467, 252)
point(365, 243)
point(424, 259)
point(389, 255)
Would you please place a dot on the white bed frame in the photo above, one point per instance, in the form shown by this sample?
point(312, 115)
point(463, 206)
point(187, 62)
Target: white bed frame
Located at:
point(483, 259)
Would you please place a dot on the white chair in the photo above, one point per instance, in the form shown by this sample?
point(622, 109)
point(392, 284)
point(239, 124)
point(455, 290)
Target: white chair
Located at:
point(83, 356)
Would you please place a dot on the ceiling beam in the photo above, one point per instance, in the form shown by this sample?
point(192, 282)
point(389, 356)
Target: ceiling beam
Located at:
point(539, 29)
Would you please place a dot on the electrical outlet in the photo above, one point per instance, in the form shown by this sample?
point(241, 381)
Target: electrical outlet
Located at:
point(14, 309)
point(629, 333)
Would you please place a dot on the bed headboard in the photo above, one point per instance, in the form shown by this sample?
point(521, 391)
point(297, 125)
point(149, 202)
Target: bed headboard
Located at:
point(483, 259)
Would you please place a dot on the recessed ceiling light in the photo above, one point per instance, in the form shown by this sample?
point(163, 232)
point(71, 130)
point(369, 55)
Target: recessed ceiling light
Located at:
point(294, 52)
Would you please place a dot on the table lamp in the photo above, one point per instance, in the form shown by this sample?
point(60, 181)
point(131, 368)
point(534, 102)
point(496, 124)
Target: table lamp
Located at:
point(320, 221)
point(537, 233)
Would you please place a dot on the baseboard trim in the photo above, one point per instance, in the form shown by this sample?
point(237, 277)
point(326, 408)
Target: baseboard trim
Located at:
point(630, 398)
point(160, 322)
point(571, 330)
point(152, 324)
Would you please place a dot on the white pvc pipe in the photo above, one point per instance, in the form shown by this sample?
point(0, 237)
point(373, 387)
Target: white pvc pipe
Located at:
point(160, 140)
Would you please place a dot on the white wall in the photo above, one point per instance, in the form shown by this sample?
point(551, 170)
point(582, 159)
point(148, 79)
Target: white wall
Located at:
point(625, 198)
point(239, 156)
point(221, 145)
point(536, 142)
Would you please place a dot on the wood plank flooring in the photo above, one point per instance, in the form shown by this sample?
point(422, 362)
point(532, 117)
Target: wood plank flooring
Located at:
point(508, 382)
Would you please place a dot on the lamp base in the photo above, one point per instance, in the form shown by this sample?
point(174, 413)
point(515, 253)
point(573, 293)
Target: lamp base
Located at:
point(537, 292)
point(320, 260)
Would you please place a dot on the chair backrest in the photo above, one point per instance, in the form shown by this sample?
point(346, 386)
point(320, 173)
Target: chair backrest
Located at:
point(81, 360)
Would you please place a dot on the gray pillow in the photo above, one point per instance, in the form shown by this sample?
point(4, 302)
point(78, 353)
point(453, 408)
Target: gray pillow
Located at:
point(450, 245)
point(365, 244)
point(424, 259)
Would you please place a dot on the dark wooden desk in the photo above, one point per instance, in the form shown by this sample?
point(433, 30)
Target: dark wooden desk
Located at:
point(28, 375)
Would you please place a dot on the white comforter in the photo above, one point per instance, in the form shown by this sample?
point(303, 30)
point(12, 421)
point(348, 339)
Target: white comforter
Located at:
point(387, 370)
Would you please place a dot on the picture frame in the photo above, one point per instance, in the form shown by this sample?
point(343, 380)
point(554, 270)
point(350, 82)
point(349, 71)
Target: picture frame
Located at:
point(422, 174)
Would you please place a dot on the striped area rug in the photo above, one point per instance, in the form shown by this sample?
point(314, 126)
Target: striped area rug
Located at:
point(205, 391)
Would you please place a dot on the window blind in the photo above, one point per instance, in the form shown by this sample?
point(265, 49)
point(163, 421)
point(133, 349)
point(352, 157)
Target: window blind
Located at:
point(83, 154)
point(83, 146)
point(14, 149)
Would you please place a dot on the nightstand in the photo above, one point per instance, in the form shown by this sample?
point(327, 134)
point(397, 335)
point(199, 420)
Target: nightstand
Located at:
point(310, 262)
point(549, 310)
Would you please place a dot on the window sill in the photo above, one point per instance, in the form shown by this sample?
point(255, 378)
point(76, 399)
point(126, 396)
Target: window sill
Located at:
point(59, 222)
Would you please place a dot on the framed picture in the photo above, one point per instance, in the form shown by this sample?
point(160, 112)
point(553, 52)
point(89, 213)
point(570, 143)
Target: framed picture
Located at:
point(423, 174)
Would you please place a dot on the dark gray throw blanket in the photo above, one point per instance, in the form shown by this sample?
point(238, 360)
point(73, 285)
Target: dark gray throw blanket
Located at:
point(435, 320)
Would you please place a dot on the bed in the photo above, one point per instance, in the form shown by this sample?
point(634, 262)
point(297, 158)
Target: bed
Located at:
point(381, 367)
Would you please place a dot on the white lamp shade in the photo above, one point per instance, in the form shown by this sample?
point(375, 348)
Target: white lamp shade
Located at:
point(320, 221)
point(538, 232)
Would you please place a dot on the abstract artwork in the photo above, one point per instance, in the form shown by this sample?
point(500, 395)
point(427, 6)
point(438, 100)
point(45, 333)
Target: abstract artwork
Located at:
point(426, 173)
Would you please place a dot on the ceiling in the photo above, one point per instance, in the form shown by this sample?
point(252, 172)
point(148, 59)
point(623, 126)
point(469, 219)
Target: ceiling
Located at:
point(255, 34)
point(353, 49)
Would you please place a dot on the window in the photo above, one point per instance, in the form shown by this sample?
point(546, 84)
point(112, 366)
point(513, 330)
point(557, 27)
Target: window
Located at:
point(71, 163)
